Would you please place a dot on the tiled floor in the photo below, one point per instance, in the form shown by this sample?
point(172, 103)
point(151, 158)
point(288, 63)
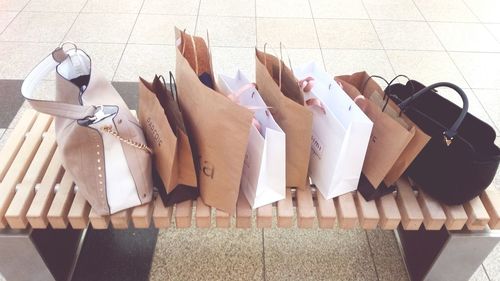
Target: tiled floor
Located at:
point(451, 40)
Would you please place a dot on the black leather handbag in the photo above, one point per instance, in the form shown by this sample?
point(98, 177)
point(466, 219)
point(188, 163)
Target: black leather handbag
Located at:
point(461, 159)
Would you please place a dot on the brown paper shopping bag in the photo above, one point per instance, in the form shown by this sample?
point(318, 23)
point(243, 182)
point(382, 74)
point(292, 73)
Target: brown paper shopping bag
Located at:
point(395, 140)
point(163, 124)
point(280, 91)
point(218, 127)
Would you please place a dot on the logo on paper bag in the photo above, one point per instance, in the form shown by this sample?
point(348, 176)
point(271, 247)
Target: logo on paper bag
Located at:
point(155, 134)
point(316, 146)
point(207, 168)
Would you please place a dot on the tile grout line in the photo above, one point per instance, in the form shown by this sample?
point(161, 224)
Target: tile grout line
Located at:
point(255, 14)
point(128, 39)
point(378, 37)
point(372, 255)
point(264, 273)
point(486, 272)
point(481, 22)
point(494, 125)
point(197, 17)
point(74, 21)
point(12, 20)
point(317, 35)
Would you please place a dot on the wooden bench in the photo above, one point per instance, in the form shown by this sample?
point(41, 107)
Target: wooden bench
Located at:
point(36, 192)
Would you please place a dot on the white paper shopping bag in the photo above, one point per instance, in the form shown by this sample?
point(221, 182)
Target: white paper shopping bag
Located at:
point(264, 172)
point(341, 132)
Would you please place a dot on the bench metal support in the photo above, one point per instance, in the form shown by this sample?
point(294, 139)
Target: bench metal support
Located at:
point(445, 255)
point(45, 254)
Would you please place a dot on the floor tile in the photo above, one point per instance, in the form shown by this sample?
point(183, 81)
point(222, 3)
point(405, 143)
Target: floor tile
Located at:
point(283, 8)
point(145, 61)
point(55, 6)
point(102, 28)
point(10, 95)
point(316, 254)
point(227, 31)
point(13, 5)
point(20, 112)
point(111, 255)
point(105, 57)
point(243, 8)
point(490, 99)
point(476, 108)
point(485, 10)
point(426, 66)
point(349, 34)
point(469, 37)
point(302, 56)
point(344, 62)
point(213, 254)
point(392, 10)
point(445, 10)
point(386, 256)
point(492, 265)
point(171, 7)
point(228, 60)
point(338, 9)
point(5, 19)
point(111, 6)
point(479, 275)
point(38, 27)
point(480, 69)
point(406, 35)
point(494, 30)
point(163, 31)
point(3, 140)
point(17, 65)
point(294, 33)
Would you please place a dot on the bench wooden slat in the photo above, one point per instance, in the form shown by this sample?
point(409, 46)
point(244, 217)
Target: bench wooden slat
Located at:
point(21, 163)
point(326, 211)
point(243, 212)
point(58, 212)
point(285, 210)
point(162, 216)
point(456, 217)
point(305, 208)
point(37, 213)
point(120, 220)
point(491, 201)
point(265, 216)
point(367, 212)
point(183, 212)
point(203, 214)
point(141, 215)
point(97, 221)
point(434, 216)
point(411, 215)
point(390, 216)
point(346, 211)
point(222, 219)
point(478, 216)
point(16, 213)
point(78, 215)
point(16, 139)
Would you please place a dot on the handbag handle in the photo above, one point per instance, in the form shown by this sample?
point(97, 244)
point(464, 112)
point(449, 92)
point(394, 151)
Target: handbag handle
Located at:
point(56, 108)
point(452, 131)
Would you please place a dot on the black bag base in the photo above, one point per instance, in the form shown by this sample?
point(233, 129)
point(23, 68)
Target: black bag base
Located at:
point(180, 193)
point(369, 192)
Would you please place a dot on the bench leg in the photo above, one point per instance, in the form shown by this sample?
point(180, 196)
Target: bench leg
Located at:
point(445, 255)
point(44, 254)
